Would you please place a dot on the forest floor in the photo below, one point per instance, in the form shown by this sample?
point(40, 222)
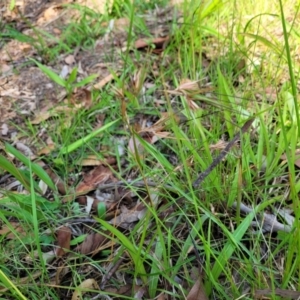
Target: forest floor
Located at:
point(149, 150)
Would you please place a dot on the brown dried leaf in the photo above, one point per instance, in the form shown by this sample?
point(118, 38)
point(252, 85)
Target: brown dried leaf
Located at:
point(4, 129)
point(129, 216)
point(63, 240)
point(100, 6)
point(61, 185)
point(158, 42)
point(5, 230)
point(61, 271)
point(70, 59)
point(49, 148)
point(139, 292)
point(91, 180)
point(297, 158)
point(279, 292)
point(135, 147)
point(187, 85)
point(197, 292)
point(94, 160)
point(92, 243)
point(125, 290)
point(50, 14)
point(86, 284)
point(220, 145)
point(104, 81)
point(82, 98)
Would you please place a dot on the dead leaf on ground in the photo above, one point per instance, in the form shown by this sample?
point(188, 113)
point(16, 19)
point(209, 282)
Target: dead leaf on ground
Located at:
point(63, 240)
point(49, 14)
point(4, 129)
point(50, 146)
point(187, 85)
point(94, 160)
point(283, 157)
point(124, 290)
point(150, 134)
point(104, 81)
point(220, 145)
point(278, 292)
point(139, 292)
point(5, 230)
point(81, 98)
point(61, 271)
point(93, 243)
point(158, 42)
point(91, 180)
point(100, 6)
point(197, 292)
point(129, 216)
point(88, 284)
point(70, 59)
point(59, 183)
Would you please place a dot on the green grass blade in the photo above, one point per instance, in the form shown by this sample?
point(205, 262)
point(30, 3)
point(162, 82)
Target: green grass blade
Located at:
point(129, 246)
point(85, 81)
point(263, 40)
point(38, 170)
point(52, 75)
point(11, 286)
point(232, 244)
point(10, 168)
point(82, 141)
point(35, 221)
point(290, 64)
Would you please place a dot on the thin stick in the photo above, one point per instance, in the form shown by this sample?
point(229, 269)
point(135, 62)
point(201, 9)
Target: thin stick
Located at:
point(223, 153)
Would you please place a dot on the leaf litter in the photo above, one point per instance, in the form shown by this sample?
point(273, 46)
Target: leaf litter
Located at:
point(99, 183)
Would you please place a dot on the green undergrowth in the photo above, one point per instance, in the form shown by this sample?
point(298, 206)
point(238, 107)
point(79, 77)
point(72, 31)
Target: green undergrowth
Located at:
point(243, 68)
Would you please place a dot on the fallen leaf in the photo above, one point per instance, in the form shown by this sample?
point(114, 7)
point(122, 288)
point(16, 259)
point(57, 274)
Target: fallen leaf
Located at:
point(187, 85)
point(63, 240)
point(139, 292)
point(92, 243)
point(129, 216)
point(197, 292)
point(82, 98)
point(4, 129)
point(162, 296)
point(100, 6)
point(158, 42)
point(70, 59)
point(61, 271)
point(94, 160)
point(104, 81)
point(121, 25)
point(48, 148)
point(4, 68)
point(278, 292)
point(90, 284)
point(59, 183)
point(91, 180)
point(5, 230)
point(123, 290)
point(283, 157)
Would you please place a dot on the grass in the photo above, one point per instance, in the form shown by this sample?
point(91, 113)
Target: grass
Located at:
point(247, 57)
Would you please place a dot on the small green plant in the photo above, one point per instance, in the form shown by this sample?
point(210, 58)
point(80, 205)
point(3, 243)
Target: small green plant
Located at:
point(23, 176)
point(70, 83)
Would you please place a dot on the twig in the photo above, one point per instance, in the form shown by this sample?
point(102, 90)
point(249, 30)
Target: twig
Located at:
point(223, 153)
